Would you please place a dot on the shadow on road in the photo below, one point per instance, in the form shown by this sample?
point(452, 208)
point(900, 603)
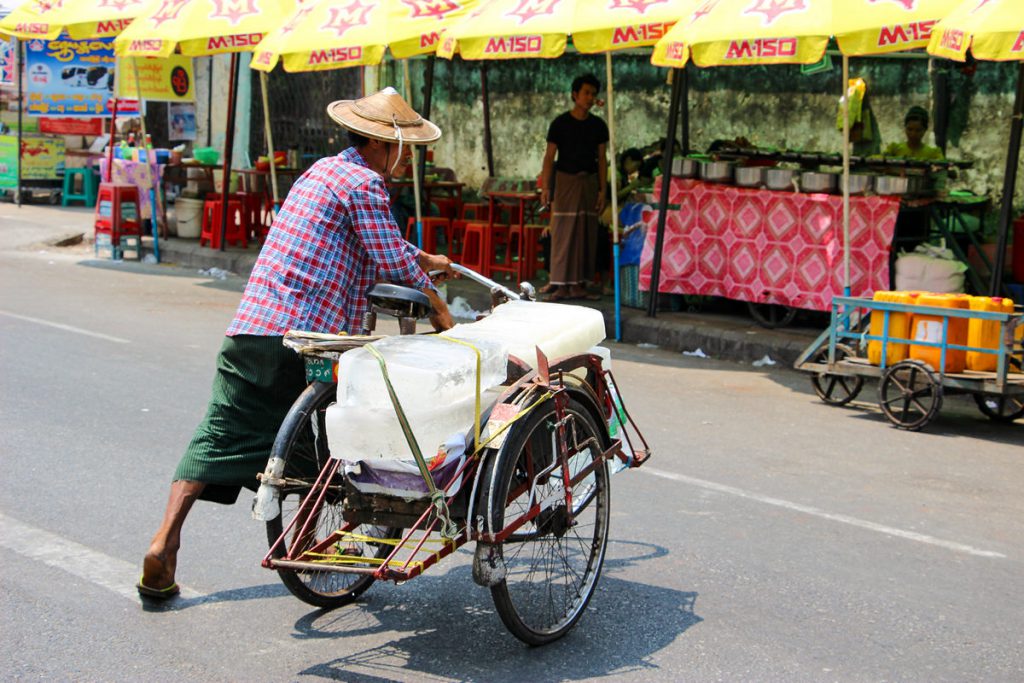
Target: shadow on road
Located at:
point(450, 631)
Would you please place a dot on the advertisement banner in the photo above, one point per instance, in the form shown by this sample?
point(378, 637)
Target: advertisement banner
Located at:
point(69, 77)
point(8, 62)
point(71, 126)
point(42, 159)
point(163, 80)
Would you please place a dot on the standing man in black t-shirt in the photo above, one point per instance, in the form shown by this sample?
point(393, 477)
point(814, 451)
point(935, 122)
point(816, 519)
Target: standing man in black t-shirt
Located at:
point(579, 176)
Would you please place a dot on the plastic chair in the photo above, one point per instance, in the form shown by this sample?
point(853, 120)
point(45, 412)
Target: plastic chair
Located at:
point(458, 237)
point(475, 211)
point(117, 216)
point(237, 228)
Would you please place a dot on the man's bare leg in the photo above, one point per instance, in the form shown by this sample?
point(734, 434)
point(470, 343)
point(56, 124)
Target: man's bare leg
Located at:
point(161, 561)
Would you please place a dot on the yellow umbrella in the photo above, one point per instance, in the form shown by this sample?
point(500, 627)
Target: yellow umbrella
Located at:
point(201, 27)
point(737, 32)
point(991, 30)
point(871, 27)
point(28, 20)
point(328, 34)
point(82, 19)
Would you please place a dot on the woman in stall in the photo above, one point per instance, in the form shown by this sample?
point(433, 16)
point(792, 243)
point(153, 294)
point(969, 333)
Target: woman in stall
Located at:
point(915, 125)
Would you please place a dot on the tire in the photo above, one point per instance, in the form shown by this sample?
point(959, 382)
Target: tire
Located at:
point(551, 568)
point(835, 390)
point(302, 444)
point(771, 316)
point(1000, 408)
point(910, 394)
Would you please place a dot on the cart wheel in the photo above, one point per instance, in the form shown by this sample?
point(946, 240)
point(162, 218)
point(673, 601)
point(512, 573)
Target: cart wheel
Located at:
point(910, 394)
point(1000, 408)
point(551, 564)
point(771, 315)
point(835, 390)
point(302, 444)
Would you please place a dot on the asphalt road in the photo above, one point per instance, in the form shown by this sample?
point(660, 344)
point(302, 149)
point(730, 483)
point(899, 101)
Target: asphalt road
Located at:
point(770, 538)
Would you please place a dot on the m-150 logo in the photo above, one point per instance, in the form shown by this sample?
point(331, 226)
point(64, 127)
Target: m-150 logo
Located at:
point(901, 34)
point(233, 41)
point(762, 47)
point(514, 45)
point(336, 55)
point(642, 33)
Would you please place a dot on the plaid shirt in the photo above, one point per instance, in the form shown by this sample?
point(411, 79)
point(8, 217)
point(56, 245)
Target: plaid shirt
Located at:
point(333, 239)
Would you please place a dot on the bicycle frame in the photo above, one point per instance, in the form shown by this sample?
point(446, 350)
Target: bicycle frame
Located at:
point(415, 551)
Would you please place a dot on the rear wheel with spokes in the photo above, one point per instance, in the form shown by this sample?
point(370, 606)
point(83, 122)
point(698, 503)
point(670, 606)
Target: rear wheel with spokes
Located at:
point(302, 444)
point(910, 394)
point(1000, 408)
point(552, 562)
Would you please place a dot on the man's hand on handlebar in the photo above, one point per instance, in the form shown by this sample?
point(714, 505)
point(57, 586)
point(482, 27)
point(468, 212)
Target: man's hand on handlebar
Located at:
point(438, 266)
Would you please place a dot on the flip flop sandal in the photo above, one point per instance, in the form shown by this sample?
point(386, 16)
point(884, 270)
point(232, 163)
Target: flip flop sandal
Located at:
point(157, 593)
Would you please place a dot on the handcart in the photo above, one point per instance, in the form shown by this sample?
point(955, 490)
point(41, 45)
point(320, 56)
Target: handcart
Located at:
point(532, 491)
point(910, 390)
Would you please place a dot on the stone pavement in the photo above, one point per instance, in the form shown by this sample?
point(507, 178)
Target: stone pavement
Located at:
point(721, 329)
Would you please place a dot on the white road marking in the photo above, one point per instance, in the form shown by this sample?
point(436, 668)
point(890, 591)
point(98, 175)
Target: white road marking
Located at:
point(68, 328)
point(102, 570)
point(809, 510)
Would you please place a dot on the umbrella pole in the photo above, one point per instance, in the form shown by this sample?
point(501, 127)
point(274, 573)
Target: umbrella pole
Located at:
point(666, 181)
point(615, 196)
point(270, 139)
point(486, 98)
point(845, 103)
point(154, 177)
point(113, 125)
point(1009, 182)
point(229, 144)
point(21, 107)
point(428, 86)
point(415, 165)
point(684, 110)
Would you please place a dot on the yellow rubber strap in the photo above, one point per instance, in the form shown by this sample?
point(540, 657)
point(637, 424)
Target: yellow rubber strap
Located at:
point(476, 411)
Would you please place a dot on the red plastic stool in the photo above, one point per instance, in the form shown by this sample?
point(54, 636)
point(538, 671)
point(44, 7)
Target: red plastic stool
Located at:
point(475, 248)
point(458, 237)
point(252, 205)
point(430, 227)
point(117, 215)
point(213, 214)
point(475, 211)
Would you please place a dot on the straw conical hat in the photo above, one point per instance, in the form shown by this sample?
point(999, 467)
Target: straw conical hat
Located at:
point(384, 116)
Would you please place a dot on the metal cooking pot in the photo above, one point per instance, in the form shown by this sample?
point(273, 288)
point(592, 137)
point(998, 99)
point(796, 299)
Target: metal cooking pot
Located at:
point(891, 184)
point(813, 181)
point(750, 176)
point(684, 167)
point(716, 171)
point(780, 179)
point(859, 183)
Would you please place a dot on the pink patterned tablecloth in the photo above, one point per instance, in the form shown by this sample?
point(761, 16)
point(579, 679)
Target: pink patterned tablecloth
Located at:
point(768, 247)
point(137, 173)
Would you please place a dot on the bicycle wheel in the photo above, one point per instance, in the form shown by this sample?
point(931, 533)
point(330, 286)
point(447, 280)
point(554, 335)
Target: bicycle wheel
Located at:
point(302, 444)
point(552, 566)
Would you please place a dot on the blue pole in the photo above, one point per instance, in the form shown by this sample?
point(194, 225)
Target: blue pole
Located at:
point(156, 230)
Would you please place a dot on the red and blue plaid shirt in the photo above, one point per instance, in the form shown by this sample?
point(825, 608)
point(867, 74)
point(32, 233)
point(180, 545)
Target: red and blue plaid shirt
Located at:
point(333, 239)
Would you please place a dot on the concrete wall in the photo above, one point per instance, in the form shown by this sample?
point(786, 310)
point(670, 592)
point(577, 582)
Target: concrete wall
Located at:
point(771, 106)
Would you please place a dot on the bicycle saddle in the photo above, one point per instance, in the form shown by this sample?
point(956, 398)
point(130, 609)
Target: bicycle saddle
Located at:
point(399, 301)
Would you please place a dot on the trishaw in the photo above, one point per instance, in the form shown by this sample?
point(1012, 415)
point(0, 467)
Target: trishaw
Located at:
point(532, 490)
point(910, 390)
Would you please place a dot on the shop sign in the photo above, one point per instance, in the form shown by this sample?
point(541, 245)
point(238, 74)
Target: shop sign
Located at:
point(167, 79)
point(69, 77)
point(70, 126)
point(42, 158)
